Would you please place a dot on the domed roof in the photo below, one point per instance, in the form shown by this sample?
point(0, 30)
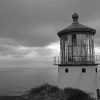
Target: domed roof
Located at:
point(76, 27)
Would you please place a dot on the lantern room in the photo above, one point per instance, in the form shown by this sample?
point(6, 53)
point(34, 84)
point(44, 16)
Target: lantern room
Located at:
point(77, 44)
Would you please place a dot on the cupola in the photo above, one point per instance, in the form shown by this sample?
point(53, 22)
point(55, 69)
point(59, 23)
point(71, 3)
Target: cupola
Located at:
point(77, 44)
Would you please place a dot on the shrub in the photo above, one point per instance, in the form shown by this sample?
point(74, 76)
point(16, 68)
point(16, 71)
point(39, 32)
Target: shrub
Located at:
point(77, 94)
point(45, 88)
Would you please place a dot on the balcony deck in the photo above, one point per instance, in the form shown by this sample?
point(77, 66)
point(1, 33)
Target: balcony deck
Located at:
point(77, 61)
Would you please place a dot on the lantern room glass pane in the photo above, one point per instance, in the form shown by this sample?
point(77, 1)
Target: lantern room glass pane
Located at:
point(69, 39)
point(77, 47)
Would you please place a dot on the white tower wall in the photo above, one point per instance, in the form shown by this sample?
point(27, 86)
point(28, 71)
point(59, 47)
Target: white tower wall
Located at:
point(75, 78)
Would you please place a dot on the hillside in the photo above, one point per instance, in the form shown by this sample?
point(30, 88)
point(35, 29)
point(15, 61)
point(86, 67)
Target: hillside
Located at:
point(49, 92)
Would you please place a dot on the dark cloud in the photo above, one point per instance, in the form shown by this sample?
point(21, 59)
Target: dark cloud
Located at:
point(88, 9)
point(20, 20)
point(36, 22)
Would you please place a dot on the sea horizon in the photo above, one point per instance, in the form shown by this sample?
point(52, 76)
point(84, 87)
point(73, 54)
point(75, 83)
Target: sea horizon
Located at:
point(17, 81)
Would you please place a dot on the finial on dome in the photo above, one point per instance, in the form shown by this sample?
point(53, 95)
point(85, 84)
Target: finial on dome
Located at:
point(75, 16)
point(74, 10)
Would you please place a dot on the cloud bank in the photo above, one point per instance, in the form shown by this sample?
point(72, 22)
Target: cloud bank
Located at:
point(28, 28)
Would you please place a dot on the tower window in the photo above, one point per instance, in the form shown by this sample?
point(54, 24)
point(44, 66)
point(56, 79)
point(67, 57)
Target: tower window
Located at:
point(66, 70)
point(83, 70)
point(96, 70)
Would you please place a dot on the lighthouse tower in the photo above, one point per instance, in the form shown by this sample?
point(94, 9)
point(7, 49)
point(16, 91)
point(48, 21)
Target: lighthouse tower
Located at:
point(76, 65)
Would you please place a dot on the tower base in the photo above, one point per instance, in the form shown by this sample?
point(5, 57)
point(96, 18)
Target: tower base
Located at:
point(80, 77)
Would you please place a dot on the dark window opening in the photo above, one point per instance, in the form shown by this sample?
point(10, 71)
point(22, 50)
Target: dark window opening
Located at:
point(98, 93)
point(66, 70)
point(96, 70)
point(83, 70)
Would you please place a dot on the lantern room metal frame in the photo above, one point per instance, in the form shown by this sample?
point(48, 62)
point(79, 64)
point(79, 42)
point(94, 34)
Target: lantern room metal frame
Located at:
point(76, 45)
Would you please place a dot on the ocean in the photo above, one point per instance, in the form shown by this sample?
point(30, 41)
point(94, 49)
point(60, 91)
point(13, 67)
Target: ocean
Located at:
point(17, 81)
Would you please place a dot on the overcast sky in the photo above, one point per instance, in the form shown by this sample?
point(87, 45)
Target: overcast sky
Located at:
point(28, 28)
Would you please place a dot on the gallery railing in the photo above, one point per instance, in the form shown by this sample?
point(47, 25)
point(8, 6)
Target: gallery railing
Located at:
point(77, 60)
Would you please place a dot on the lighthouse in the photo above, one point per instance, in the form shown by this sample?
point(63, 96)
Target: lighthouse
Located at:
point(77, 67)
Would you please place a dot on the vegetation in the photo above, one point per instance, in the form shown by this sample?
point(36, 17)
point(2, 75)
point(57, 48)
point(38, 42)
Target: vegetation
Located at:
point(49, 92)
